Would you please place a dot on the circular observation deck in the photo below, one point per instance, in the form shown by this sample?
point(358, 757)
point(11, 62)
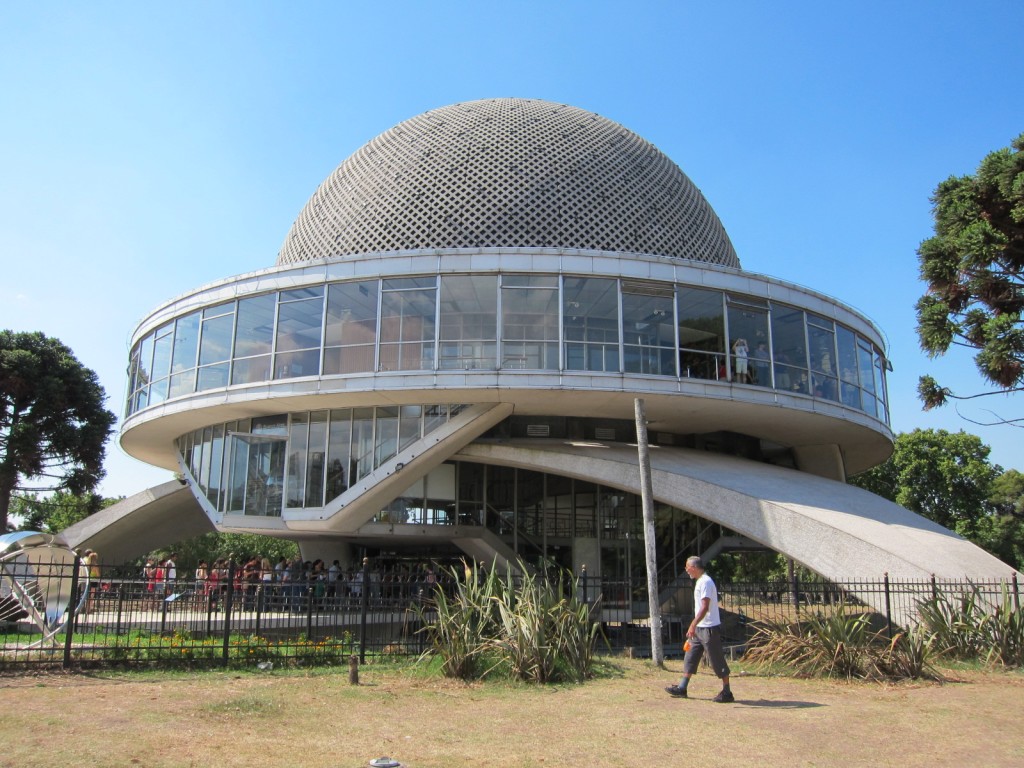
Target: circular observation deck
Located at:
point(553, 332)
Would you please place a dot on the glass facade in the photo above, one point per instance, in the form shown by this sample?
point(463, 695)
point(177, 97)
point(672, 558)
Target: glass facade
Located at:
point(533, 322)
point(540, 515)
point(292, 461)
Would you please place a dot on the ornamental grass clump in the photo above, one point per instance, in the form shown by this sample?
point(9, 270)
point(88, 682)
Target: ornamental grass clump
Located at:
point(544, 635)
point(840, 645)
point(531, 629)
point(967, 626)
point(458, 626)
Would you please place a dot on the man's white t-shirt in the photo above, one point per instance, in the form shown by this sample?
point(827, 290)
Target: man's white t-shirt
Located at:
point(705, 587)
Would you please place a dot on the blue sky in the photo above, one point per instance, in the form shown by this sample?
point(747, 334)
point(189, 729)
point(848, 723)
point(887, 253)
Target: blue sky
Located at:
point(149, 148)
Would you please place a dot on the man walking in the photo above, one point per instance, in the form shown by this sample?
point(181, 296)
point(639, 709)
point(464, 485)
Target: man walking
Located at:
point(704, 633)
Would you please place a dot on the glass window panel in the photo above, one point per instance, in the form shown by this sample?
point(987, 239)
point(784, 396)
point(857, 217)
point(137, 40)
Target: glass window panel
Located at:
point(141, 399)
point(409, 283)
point(434, 416)
point(822, 342)
point(469, 321)
point(748, 334)
point(186, 341)
point(227, 308)
point(212, 376)
point(407, 357)
point(865, 365)
point(701, 333)
point(265, 477)
point(300, 325)
point(789, 348)
point(351, 329)
point(301, 294)
point(143, 362)
point(362, 443)
point(880, 388)
point(295, 482)
point(237, 463)
point(591, 318)
point(315, 465)
point(158, 391)
point(407, 330)
point(408, 316)
point(183, 383)
point(215, 492)
point(254, 331)
point(386, 437)
point(529, 322)
point(820, 322)
point(185, 446)
point(251, 370)
point(410, 421)
point(352, 313)
point(341, 360)
point(701, 320)
point(215, 346)
point(649, 337)
point(162, 351)
point(290, 365)
point(846, 344)
point(530, 355)
point(206, 460)
point(339, 453)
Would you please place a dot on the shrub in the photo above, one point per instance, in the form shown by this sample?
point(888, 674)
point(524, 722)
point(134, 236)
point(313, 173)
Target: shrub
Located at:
point(841, 645)
point(531, 628)
point(966, 626)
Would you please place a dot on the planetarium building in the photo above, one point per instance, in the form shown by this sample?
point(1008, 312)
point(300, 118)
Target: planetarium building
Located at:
point(446, 358)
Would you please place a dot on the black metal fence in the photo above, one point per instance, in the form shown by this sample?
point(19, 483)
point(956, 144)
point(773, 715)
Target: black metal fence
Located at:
point(137, 621)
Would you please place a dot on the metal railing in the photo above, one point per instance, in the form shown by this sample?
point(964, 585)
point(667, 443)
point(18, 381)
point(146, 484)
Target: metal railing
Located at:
point(129, 621)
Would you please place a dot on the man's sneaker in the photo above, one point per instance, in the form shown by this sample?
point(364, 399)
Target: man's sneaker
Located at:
point(724, 697)
point(676, 692)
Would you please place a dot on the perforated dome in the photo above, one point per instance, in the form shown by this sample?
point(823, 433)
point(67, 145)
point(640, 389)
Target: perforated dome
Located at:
point(508, 173)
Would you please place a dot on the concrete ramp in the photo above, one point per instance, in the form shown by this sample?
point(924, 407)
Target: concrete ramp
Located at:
point(155, 518)
point(367, 497)
point(834, 529)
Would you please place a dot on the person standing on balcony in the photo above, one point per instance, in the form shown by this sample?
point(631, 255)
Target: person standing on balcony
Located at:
point(704, 633)
point(741, 353)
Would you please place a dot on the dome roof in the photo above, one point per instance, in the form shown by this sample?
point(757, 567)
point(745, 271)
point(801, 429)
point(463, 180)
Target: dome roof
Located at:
point(508, 173)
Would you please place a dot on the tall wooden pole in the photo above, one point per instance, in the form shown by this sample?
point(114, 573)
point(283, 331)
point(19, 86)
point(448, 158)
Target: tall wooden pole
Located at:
point(647, 499)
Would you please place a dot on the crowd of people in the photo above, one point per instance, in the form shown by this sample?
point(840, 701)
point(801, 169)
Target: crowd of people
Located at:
point(288, 584)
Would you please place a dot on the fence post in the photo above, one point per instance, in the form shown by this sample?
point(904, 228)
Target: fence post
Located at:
point(259, 606)
point(364, 590)
point(210, 603)
point(586, 594)
point(935, 589)
point(888, 607)
point(310, 597)
point(229, 601)
point(794, 587)
point(120, 608)
point(69, 626)
point(1016, 593)
point(163, 613)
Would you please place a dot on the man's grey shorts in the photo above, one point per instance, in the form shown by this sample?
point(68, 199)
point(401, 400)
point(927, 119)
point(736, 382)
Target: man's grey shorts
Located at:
point(710, 639)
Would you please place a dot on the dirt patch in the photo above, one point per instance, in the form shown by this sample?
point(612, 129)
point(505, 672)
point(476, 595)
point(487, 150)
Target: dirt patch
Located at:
point(623, 719)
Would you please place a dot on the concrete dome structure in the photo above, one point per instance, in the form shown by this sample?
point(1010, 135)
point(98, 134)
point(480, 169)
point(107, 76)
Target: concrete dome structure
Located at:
point(445, 359)
point(508, 173)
